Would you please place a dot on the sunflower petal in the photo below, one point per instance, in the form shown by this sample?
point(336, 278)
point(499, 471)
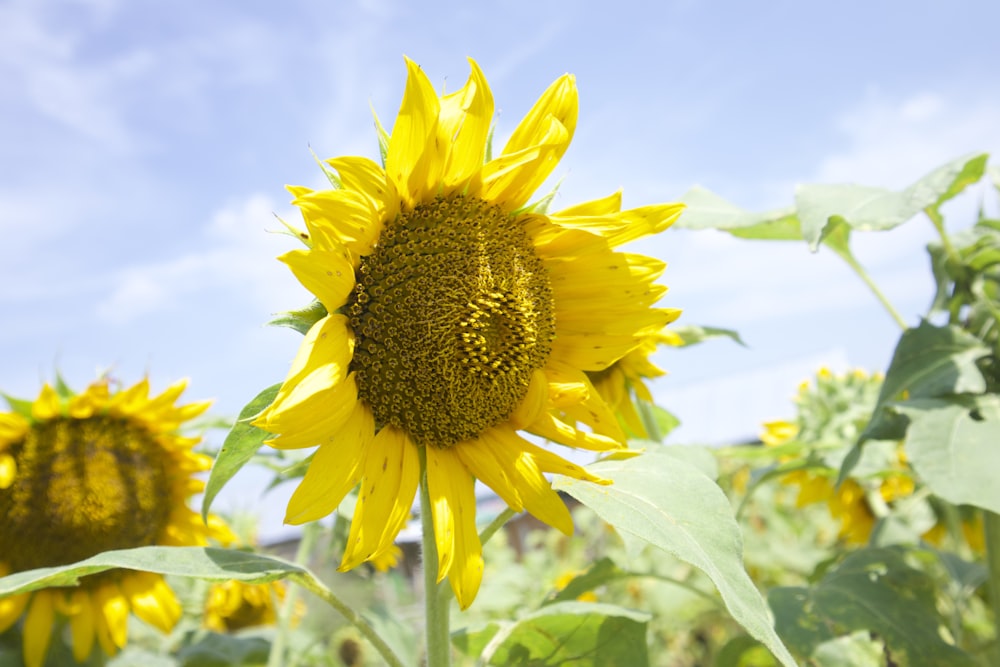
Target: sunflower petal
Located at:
point(512, 178)
point(81, 625)
point(413, 162)
point(152, 600)
point(334, 470)
point(11, 608)
point(328, 275)
point(309, 418)
point(453, 509)
point(365, 176)
point(550, 428)
point(113, 613)
point(388, 487)
point(38, 624)
point(463, 129)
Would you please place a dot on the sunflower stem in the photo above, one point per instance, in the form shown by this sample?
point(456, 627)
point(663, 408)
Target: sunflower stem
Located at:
point(436, 604)
point(495, 525)
point(867, 279)
point(277, 656)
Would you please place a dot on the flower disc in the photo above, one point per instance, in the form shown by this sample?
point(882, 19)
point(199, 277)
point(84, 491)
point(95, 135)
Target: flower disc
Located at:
point(84, 486)
point(452, 313)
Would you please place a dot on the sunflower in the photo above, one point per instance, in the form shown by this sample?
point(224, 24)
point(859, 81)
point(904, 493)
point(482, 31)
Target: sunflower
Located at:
point(87, 473)
point(457, 315)
point(234, 605)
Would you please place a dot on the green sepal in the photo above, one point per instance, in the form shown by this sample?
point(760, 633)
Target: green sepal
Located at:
point(301, 319)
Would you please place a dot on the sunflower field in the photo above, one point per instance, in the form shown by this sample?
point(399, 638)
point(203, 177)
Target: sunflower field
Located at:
point(482, 476)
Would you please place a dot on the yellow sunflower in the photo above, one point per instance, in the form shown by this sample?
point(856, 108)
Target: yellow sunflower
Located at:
point(88, 473)
point(234, 605)
point(457, 316)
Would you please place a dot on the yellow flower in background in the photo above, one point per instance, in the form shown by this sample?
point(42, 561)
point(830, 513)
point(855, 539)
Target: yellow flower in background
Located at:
point(616, 383)
point(234, 605)
point(777, 433)
point(458, 315)
point(387, 559)
point(87, 473)
point(849, 505)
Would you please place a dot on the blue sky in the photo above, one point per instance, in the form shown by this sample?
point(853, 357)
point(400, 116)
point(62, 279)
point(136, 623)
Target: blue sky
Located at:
point(145, 146)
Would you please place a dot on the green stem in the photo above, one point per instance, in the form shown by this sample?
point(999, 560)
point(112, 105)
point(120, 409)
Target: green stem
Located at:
point(648, 420)
point(860, 271)
point(317, 588)
point(435, 603)
point(991, 533)
point(495, 525)
point(277, 655)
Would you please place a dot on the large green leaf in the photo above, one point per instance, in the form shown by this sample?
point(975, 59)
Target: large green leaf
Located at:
point(216, 650)
point(821, 206)
point(952, 445)
point(581, 634)
point(707, 210)
point(239, 447)
point(667, 502)
point(931, 361)
point(871, 590)
point(199, 562)
point(854, 650)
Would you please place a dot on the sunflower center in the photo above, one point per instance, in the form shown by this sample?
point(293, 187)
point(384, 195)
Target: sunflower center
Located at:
point(83, 486)
point(452, 313)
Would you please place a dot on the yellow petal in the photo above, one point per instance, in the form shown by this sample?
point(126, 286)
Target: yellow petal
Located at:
point(365, 176)
point(388, 487)
point(152, 600)
point(329, 275)
point(114, 609)
point(334, 470)
point(310, 417)
point(329, 342)
point(595, 207)
point(46, 406)
point(547, 426)
point(534, 402)
point(453, 509)
point(81, 625)
point(12, 427)
point(591, 410)
point(511, 179)
point(463, 128)
point(8, 470)
point(560, 102)
point(515, 455)
point(617, 227)
point(11, 608)
point(414, 160)
point(339, 219)
point(38, 628)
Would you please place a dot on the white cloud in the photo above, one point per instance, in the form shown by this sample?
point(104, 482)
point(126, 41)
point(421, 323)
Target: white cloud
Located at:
point(892, 142)
point(237, 263)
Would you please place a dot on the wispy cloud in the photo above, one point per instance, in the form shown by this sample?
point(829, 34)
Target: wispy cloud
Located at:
point(237, 263)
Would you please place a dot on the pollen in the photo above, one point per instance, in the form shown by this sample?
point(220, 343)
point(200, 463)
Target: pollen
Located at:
point(83, 486)
point(452, 312)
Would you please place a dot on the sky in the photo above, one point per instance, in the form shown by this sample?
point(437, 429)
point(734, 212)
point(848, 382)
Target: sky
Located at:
point(144, 149)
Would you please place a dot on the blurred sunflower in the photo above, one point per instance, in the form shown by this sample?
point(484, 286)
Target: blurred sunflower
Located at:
point(457, 315)
point(835, 409)
point(234, 605)
point(87, 473)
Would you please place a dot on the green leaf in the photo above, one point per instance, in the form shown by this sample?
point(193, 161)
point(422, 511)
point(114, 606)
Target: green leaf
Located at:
point(239, 447)
point(931, 361)
point(302, 319)
point(707, 210)
point(581, 634)
point(952, 445)
point(871, 590)
point(744, 651)
point(596, 575)
point(853, 650)
point(670, 504)
point(200, 562)
point(821, 206)
point(472, 641)
point(18, 405)
point(216, 650)
point(692, 334)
